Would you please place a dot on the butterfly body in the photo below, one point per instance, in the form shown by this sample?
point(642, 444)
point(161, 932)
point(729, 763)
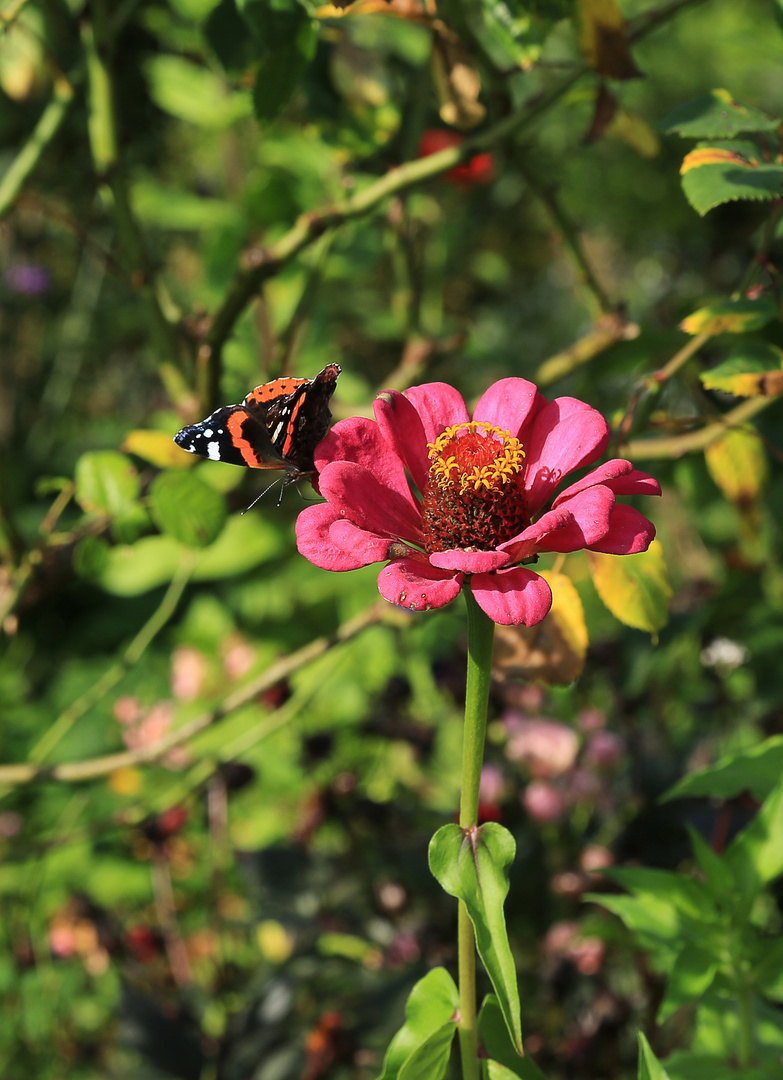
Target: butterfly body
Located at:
point(277, 426)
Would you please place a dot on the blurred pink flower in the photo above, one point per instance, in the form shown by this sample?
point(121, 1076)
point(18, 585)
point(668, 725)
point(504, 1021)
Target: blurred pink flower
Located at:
point(151, 728)
point(543, 801)
point(590, 720)
point(546, 747)
point(493, 784)
point(487, 499)
point(188, 672)
point(238, 659)
point(566, 941)
point(595, 858)
point(127, 710)
point(604, 749)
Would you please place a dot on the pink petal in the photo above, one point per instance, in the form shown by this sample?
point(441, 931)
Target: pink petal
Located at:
point(563, 436)
point(515, 597)
point(629, 533)
point(470, 562)
point(355, 493)
point(507, 404)
point(619, 476)
point(360, 440)
point(364, 545)
point(418, 586)
point(313, 541)
point(403, 431)
point(439, 406)
point(575, 524)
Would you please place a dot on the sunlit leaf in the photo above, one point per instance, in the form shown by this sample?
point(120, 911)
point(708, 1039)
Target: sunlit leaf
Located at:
point(712, 175)
point(714, 116)
point(730, 317)
point(689, 978)
point(757, 770)
point(193, 93)
point(170, 207)
point(650, 1067)
point(158, 448)
point(632, 129)
point(431, 1005)
point(635, 588)
point(604, 39)
point(472, 866)
point(737, 462)
point(756, 855)
point(751, 369)
point(496, 1041)
point(106, 482)
point(183, 506)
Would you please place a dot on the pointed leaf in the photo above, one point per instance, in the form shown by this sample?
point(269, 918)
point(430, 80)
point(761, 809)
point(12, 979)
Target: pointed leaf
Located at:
point(751, 369)
point(430, 1060)
point(714, 116)
point(471, 865)
point(730, 317)
point(756, 855)
point(650, 1067)
point(431, 1007)
point(690, 977)
point(757, 771)
point(717, 871)
point(635, 588)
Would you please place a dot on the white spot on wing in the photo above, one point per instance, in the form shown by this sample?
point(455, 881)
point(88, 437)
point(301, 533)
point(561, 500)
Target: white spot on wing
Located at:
point(208, 433)
point(213, 451)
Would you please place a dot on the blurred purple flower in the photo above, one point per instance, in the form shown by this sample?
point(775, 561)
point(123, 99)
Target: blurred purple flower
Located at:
point(27, 279)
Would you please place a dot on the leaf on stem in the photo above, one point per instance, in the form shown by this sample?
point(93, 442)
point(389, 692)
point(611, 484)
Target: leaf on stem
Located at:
point(737, 462)
point(730, 317)
point(715, 115)
point(752, 369)
point(471, 865)
point(421, 1047)
point(757, 770)
point(184, 507)
point(756, 855)
point(650, 1067)
point(724, 172)
point(503, 1060)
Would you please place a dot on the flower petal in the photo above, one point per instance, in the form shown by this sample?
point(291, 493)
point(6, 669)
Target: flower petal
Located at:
point(403, 430)
point(514, 597)
point(356, 494)
point(360, 440)
point(439, 406)
point(364, 545)
point(417, 586)
point(575, 524)
point(629, 533)
point(470, 562)
point(508, 403)
point(313, 541)
point(563, 436)
point(619, 476)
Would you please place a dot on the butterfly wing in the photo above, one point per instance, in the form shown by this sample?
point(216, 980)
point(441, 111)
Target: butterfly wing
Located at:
point(232, 434)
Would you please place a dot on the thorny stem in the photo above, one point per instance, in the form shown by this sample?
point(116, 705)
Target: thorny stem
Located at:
point(481, 631)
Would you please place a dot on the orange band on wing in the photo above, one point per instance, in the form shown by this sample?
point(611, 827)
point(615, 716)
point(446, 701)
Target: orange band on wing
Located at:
point(235, 424)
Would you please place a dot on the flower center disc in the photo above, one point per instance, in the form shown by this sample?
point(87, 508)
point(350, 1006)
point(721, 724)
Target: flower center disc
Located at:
point(473, 498)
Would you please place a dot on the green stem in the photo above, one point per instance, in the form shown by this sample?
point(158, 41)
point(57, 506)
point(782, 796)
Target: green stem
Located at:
point(745, 1008)
point(481, 632)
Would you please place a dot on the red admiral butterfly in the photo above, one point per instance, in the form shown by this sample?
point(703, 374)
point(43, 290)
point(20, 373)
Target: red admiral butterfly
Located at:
point(277, 426)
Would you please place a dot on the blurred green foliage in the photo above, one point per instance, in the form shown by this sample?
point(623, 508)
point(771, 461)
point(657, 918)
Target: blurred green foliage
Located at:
point(255, 902)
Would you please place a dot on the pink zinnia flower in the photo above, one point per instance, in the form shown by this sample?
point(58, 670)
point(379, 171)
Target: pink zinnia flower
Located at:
point(482, 501)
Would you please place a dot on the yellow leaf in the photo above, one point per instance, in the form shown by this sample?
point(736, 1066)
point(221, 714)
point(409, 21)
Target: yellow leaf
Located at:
point(274, 941)
point(158, 449)
point(714, 155)
point(738, 465)
point(634, 130)
point(125, 781)
point(552, 652)
point(730, 317)
point(635, 588)
point(604, 41)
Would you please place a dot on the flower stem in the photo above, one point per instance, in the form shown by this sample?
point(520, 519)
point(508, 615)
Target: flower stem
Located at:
point(481, 632)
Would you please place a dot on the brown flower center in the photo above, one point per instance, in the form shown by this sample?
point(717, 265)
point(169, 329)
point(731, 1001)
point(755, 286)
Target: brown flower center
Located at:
point(473, 499)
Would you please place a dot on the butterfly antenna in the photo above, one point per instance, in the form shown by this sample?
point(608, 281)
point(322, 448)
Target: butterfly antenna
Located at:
point(263, 493)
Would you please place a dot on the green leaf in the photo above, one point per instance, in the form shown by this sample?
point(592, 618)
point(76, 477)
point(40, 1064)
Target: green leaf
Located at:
point(635, 588)
point(183, 506)
point(717, 872)
point(169, 207)
point(281, 70)
point(713, 116)
point(431, 1006)
point(193, 93)
point(496, 1041)
point(737, 462)
point(715, 175)
point(106, 483)
point(430, 1060)
point(756, 855)
point(500, 31)
point(730, 317)
point(751, 369)
point(757, 771)
point(132, 569)
point(689, 979)
point(472, 865)
point(650, 1067)
point(768, 976)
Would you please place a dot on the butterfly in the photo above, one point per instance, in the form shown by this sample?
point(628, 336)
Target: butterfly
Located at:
point(277, 426)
